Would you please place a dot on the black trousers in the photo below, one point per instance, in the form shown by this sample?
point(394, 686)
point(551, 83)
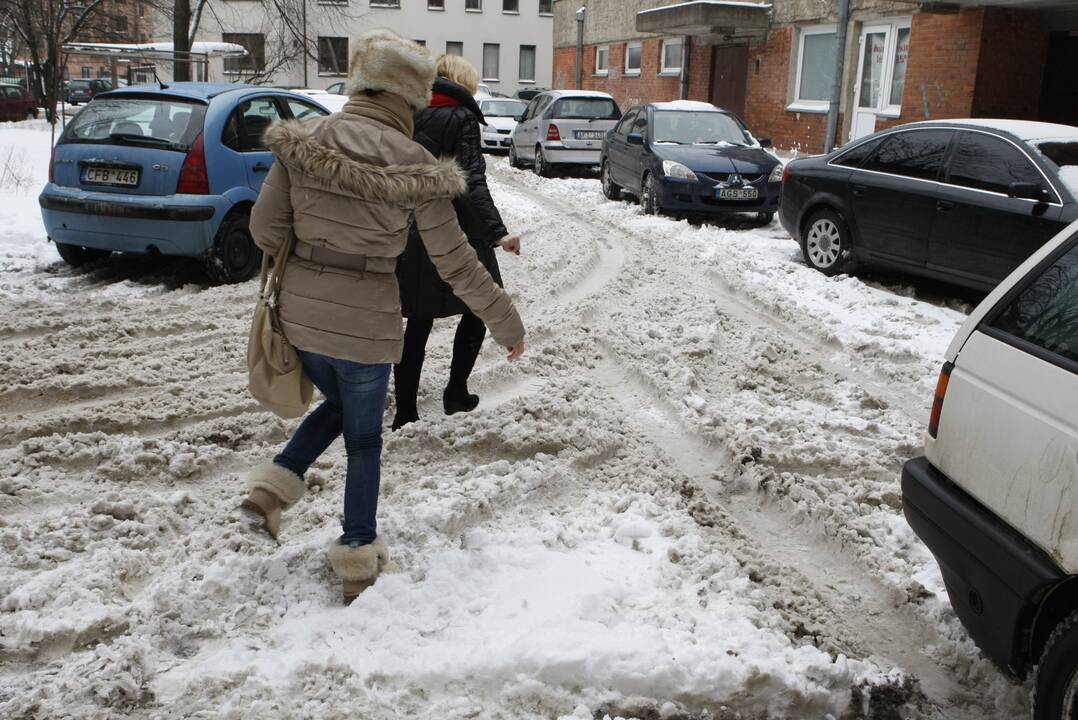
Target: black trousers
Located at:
point(406, 374)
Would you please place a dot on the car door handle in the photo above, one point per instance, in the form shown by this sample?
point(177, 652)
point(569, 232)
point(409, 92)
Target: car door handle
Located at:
point(944, 205)
point(859, 190)
point(261, 167)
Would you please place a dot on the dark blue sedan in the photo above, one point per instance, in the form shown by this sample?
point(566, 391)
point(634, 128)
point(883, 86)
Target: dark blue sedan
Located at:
point(691, 159)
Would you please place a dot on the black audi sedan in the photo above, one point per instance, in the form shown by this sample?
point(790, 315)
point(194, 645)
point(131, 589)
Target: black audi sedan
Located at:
point(692, 159)
point(963, 201)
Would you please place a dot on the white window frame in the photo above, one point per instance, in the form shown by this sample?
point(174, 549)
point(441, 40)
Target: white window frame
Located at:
point(395, 4)
point(510, 12)
point(892, 54)
point(797, 104)
point(497, 60)
point(435, 8)
point(606, 70)
point(547, 14)
point(664, 69)
point(474, 10)
point(633, 72)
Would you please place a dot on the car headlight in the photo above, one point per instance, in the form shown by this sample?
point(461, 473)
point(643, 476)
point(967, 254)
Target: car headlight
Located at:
point(678, 171)
point(776, 174)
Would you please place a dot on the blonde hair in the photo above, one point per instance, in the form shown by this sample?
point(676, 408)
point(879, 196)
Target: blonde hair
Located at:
point(460, 71)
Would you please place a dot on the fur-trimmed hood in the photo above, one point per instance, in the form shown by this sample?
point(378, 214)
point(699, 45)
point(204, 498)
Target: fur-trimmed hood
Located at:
point(295, 145)
point(383, 60)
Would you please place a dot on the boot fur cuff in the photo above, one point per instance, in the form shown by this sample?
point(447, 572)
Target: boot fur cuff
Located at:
point(359, 563)
point(282, 482)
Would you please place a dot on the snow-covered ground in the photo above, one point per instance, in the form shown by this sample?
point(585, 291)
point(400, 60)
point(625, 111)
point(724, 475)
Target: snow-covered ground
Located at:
point(683, 502)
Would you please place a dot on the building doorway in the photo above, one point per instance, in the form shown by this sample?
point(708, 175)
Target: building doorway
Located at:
point(1059, 92)
point(729, 77)
point(881, 75)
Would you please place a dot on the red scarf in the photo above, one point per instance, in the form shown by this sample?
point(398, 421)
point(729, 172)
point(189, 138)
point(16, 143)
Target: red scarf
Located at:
point(438, 99)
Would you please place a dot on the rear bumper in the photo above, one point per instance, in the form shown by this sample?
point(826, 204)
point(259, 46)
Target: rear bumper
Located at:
point(561, 155)
point(698, 198)
point(171, 224)
point(995, 577)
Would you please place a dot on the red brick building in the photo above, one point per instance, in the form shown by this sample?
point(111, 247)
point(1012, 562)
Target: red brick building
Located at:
point(774, 63)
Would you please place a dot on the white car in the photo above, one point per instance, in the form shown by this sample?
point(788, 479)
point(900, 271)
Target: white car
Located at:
point(501, 115)
point(996, 496)
point(333, 102)
point(563, 127)
point(483, 91)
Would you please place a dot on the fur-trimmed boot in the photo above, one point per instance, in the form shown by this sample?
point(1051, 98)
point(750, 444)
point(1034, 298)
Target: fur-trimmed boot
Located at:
point(273, 489)
point(358, 566)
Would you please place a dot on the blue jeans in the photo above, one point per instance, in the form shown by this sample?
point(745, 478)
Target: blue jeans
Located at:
point(355, 402)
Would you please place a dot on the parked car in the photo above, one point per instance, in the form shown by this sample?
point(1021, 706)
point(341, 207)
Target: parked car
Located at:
point(80, 91)
point(15, 104)
point(965, 201)
point(562, 127)
point(690, 158)
point(336, 88)
point(331, 101)
point(527, 94)
point(171, 170)
point(501, 116)
point(483, 91)
point(994, 497)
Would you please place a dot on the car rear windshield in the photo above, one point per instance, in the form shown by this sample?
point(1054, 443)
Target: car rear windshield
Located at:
point(586, 109)
point(503, 108)
point(165, 123)
point(1061, 153)
point(681, 127)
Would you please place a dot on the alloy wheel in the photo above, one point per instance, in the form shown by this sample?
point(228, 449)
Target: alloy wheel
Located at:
point(540, 162)
point(824, 243)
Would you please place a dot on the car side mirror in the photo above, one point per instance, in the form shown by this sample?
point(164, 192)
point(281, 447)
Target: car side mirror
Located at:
point(519, 118)
point(764, 142)
point(634, 139)
point(1026, 191)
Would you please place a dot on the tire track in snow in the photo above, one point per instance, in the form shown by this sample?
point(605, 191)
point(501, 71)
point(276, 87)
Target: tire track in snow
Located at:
point(881, 622)
point(854, 601)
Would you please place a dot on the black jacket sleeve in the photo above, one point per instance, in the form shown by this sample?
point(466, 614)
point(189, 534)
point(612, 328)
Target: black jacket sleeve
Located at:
point(470, 157)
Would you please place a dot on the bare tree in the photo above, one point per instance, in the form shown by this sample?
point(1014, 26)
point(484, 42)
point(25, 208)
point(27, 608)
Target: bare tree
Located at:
point(42, 28)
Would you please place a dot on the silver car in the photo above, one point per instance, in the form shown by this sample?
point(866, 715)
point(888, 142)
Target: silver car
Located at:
point(562, 127)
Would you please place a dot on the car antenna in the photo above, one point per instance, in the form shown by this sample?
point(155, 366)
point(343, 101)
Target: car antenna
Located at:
point(159, 80)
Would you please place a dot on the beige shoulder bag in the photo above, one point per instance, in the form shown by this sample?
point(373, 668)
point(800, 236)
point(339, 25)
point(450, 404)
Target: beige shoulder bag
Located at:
point(275, 373)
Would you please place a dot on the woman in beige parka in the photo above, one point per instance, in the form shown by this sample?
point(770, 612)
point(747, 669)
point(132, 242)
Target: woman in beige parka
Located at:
point(348, 186)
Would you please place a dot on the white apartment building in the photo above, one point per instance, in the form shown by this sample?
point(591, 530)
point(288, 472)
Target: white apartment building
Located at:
point(509, 41)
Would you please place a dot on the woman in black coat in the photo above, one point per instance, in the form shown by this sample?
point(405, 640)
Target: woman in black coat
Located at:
point(448, 127)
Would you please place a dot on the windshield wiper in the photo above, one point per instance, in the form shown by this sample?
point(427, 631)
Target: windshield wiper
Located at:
point(670, 142)
point(134, 139)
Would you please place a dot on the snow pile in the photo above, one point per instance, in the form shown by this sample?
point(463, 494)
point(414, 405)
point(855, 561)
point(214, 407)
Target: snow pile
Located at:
point(24, 169)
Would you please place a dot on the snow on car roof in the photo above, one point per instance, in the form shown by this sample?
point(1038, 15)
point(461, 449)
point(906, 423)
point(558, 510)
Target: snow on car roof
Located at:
point(579, 93)
point(684, 105)
point(1027, 130)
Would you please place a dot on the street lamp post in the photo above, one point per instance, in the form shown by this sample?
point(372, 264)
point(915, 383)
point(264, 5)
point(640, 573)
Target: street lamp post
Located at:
point(580, 14)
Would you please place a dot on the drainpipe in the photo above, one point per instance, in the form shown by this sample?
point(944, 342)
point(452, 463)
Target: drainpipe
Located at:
point(840, 61)
point(685, 40)
point(580, 46)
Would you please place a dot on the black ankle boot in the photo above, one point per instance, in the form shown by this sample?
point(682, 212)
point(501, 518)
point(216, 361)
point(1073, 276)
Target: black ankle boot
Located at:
point(455, 401)
point(402, 418)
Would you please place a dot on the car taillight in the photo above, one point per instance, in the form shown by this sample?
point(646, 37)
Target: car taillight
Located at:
point(785, 172)
point(937, 401)
point(52, 165)
point(193, 177)
point(552, 134)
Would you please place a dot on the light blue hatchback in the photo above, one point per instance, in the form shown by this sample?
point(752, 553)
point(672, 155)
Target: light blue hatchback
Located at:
point(171, 169)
